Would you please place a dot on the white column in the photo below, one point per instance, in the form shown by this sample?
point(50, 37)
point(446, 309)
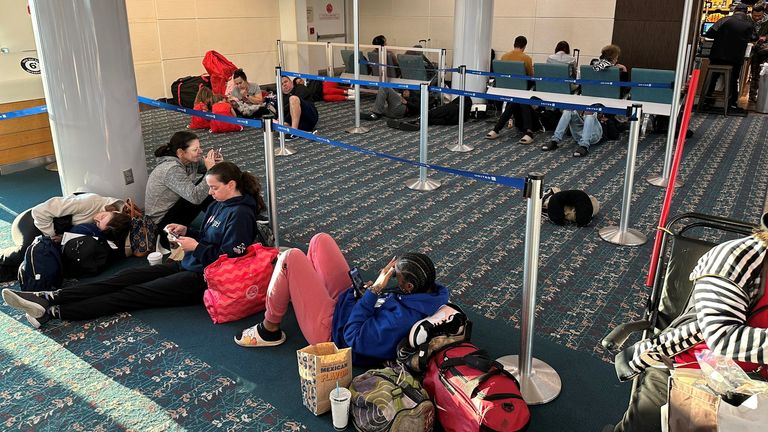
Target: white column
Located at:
point(472, 29)
point(293, 27)
point(90, 89)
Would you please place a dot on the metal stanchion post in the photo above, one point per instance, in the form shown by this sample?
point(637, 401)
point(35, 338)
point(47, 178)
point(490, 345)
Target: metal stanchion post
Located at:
point(622, 235)
point(356, 18)
point(539, 382)
point(269, 165)
point(459, 146)
point(422, 183)
point(280, 55)
point(680, 73)
point(329, 58)
point(284, 150)
point(441, 72)
point(383, 72)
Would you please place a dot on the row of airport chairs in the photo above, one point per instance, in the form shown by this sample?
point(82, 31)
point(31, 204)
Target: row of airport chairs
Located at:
point(644, 94)
point(412, 67)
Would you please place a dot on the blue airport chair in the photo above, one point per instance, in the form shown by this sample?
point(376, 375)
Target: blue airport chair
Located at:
point(373, 57)
point(546, 70)
point(412, 67)
point(512, 68)
point(610, 74)
point(645, 94)
point(349, 62)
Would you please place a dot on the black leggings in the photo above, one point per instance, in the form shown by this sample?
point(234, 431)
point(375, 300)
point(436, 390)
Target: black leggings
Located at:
point(164, 285)
point(182, 213)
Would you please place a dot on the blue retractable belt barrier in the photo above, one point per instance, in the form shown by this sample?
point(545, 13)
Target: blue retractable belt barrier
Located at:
point(573, 81)
point(534, 102)
point(349, 81)
point(23, 112)
point(364, 61)
point(518, 183)
point(204, 114)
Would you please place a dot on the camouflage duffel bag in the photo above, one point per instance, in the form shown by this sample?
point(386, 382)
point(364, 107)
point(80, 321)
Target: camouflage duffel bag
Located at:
point(390, 400)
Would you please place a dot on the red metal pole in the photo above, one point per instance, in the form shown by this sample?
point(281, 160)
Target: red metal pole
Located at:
point(673, 175)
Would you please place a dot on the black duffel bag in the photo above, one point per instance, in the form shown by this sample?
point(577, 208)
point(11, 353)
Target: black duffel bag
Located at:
point(85, 256)
point(184, 90)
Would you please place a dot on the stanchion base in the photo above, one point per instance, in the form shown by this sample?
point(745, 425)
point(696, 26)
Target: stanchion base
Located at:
point(52, 167)
point(460, 147)
point(632, 237)
point(660, 181)
point(424, 186)
point(358, 130)
point(284, 151)
point(542, 386)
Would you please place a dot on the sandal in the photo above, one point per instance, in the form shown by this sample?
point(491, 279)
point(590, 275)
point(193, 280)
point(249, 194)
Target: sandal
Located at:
point(552, 145)
point(526, 139)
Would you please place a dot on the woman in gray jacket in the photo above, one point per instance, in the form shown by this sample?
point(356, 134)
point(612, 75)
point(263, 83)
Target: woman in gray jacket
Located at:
point(175, 190)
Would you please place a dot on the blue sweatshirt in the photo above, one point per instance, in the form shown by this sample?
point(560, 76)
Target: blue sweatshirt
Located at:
point(228, 228)
point(373, 325)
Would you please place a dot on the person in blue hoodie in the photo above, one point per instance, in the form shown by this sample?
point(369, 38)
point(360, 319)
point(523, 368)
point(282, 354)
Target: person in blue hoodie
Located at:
point(327, 308)
point(228, 228)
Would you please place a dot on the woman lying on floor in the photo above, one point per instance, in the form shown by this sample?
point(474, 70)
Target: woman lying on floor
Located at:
point(229, 227)
point(57, 215)
point(318, 286)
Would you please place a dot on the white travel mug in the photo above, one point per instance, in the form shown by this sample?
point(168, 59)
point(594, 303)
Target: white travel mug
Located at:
point(340, 407)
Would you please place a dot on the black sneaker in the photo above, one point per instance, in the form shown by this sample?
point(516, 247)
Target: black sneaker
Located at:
point(39, 321)
point(369, 116)
point(27, 302)
point(580, 151)
point(552, 145)
point(290, 137)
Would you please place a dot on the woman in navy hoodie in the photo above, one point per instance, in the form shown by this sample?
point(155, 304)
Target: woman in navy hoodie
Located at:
point(318, 285)
point(228, 228)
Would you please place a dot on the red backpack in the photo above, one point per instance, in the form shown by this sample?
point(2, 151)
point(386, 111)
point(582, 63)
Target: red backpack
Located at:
point(220, 69)
point(472, 392)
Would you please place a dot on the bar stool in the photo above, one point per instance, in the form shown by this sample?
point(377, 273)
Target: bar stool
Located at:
point(725, 71)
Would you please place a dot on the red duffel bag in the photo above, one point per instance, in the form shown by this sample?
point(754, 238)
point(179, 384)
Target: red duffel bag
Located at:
point(237, 287)
point(474, 393)
point(220, 69)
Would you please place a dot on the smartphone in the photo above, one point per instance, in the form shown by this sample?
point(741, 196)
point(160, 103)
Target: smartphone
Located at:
point(357, 282)
point(171, 236)
point(218, 153)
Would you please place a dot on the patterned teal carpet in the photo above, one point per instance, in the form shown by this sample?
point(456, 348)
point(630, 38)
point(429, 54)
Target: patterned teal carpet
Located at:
point(473, 230)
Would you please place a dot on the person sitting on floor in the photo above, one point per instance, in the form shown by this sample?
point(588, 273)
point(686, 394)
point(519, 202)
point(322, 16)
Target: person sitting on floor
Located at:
point(525, 116)
point(391, 104)
point(174, 191)
point(222, 107)
point(727, 284)
point(246, 98)
point(318, 285)
point(203, 101)
point(298, 110)
point(587, 129)
point(230, 226)
point(56, 216)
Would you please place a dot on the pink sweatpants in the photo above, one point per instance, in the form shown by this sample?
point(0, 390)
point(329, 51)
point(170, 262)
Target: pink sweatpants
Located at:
point(312, 283)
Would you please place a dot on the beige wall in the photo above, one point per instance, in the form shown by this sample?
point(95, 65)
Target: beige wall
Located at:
point(585, 24)
point(170, 37)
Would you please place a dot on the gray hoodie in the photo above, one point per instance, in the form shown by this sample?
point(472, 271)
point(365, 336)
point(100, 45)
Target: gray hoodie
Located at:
point(169, 181)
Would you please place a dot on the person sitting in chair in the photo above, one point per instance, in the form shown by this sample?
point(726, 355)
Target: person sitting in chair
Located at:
point(728, 281)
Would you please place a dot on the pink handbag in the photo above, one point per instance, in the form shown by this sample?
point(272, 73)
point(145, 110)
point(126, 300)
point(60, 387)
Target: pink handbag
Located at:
point(237, 287)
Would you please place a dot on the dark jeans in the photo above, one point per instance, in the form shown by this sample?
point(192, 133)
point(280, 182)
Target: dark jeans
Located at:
point(733, 96)
point(644, 412)
point(164, 285)
point(23, 232)
point(182, 213)
point(525, 118)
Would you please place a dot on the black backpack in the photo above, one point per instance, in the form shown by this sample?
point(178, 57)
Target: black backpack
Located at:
point(41, 269)
point(184, 90)
point(86, 256)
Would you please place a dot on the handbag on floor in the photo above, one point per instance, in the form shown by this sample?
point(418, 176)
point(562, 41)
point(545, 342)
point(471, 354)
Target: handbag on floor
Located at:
point(142, 233)
point(472, 392)
point(237, 287)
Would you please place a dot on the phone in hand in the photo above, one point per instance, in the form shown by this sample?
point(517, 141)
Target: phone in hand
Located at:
point(357, 282)
point(171, 236)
